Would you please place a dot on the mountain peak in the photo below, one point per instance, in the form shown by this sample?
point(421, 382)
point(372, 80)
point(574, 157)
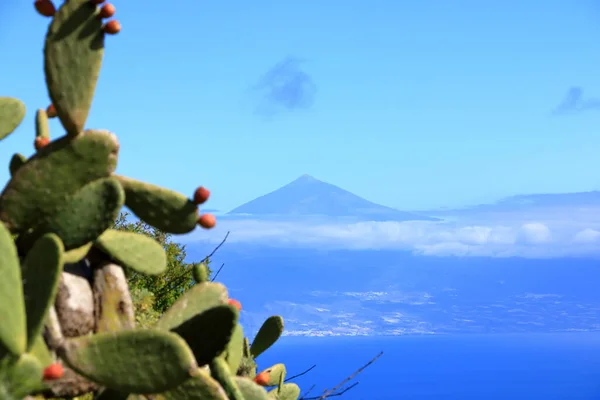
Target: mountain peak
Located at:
point(305, 178)
point(308, 196)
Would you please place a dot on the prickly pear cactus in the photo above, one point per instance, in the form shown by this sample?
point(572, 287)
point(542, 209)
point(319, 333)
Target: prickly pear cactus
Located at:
point(67, 323)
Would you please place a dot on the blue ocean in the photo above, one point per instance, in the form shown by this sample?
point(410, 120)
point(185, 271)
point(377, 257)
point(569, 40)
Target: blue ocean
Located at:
point(548, 366)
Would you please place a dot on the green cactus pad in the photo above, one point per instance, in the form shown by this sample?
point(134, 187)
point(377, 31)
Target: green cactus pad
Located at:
point(247, 352)
point(44, 184)
point(199, 386)
point(287, 391)
point(209, 332)
point(41, 124)
point(220, 372)
point(77, 254)
point(72, 60)
point(40, 273)
point(200, 272)
point(85, 215)
point(133, 361)
point(235, 349)
point(276, 374)
point(198, 299)
point(162, 208)
point(13, 328)
point(250, 390)
point(40, 351)
point(18, 379)
point(133, 250)
point(16, 162)
point(267, 335)
point(247, 367)
point(12, 112)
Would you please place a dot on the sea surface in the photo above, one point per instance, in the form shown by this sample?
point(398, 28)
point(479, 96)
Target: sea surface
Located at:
point(548, 366)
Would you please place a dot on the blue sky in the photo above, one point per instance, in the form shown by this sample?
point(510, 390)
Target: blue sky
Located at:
point(410, 104)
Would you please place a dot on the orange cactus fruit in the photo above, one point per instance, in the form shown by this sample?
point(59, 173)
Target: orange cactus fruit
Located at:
point(207, 221)
point(54, 371)
point(45, 7)
point(107, 11)
point(112, 27)
point(51, 111)
point(40, 142)
point(235, 303)
point(262, 379)
point(201, 195)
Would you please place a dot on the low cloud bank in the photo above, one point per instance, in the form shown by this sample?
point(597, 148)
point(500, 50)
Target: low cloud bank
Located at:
point(546, 233)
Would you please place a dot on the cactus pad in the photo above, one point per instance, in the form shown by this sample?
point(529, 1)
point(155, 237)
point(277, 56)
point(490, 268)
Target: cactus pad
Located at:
point(276, 374)
point(267, 335)
point(220, 372)
point(12, 112)
point(19, 378)
point(40, 351)
point(49, 178)
point(16, 162)
point(72, 60)
point(250, 390)
point(209, 332)
point(235, 349)
point(135, 251)
point(13, 329)
point(41, 124)
point(198, 299)
point(287, 391)
point(162, 208)
point(200, 272)
point(199, 386)
point(85, 215)
point(40, 273)
point(132, 361)
point(77, 254)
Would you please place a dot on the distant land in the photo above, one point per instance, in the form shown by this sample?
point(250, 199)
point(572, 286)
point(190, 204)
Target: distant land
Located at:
point(307, 196)
point(527, 202)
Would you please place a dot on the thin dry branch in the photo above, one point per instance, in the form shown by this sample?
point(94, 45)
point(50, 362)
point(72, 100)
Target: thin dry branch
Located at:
point(218, 247)
point(300, 374)
point(217, 273)
point(339, 389)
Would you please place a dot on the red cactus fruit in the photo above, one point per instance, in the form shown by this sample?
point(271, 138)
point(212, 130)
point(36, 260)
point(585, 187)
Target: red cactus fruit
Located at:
point(235, 303)
point(207, 221)
point(40, 142)
point(51, 111)
point(112, 27)
point(107, 11)
point(45, 7)
point(263, 378)
point(201, 195)
point(54, 371)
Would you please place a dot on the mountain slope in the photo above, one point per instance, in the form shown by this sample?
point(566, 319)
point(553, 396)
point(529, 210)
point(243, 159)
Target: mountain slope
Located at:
point(309, 196)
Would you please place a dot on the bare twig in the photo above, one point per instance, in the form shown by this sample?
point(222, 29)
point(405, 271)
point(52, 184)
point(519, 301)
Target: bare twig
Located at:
point(300, 374)
point(339, 390)
point(310, 389)
point(217, 274)
point(338, 393)
point(218, 247)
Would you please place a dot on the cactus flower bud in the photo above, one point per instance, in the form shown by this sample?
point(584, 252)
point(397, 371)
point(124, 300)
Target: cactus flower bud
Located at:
point(45, 7)
point(262, 379)
point(54, 371)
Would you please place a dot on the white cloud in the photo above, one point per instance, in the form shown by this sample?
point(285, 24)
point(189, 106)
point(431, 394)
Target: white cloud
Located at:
point(535, 234)
point(587, 236)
